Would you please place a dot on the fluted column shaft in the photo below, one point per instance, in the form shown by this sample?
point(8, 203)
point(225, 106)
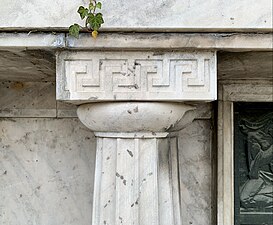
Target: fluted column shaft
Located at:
point(136, 178)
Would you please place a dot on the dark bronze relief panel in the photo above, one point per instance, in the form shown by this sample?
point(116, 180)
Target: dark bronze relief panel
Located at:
point(253, 163)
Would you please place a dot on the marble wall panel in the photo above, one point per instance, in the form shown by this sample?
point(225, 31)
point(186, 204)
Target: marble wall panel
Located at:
point(32, 99)
point(196, 173)
point(46, 172)
point(27, 99)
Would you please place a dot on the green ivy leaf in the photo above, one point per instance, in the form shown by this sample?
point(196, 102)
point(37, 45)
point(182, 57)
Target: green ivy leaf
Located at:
point(83, 12)
point(74, 30)
point(99, 5)
point(91, 6)
point(99, 18)
point(95, 21)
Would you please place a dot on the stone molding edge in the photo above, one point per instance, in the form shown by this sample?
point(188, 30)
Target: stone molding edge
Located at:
point(141, 41)
point(91, 76)
point(225, 179)
point(146, 29)
point(175, 41)
point(245, 90)
point(145, 135)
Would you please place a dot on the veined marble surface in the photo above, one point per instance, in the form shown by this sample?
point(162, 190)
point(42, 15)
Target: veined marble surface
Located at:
point(196, 174)
point(46, 172)
point(142, 14)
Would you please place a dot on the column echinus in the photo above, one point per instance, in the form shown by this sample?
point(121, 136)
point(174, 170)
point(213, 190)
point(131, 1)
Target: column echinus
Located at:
point(133, 101)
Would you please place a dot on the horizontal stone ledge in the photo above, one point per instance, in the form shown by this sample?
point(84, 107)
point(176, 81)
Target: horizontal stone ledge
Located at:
point(141, 41)
point(255, 90)
point(32, 40)
point(195, 41)
point(146, 135)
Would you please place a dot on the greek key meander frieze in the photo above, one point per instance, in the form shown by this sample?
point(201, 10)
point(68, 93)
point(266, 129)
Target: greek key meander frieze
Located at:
point(137, 75)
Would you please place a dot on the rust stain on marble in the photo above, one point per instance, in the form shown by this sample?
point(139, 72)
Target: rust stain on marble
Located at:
point(17, 85)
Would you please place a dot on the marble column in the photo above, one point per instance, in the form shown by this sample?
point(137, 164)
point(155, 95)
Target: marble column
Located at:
point(136, 180)
point(132, 100)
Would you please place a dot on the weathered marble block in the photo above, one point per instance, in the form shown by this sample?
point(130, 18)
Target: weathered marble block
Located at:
point(146, 76)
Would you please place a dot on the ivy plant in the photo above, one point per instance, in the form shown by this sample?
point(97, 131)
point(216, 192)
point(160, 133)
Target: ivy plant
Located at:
point(93, 19)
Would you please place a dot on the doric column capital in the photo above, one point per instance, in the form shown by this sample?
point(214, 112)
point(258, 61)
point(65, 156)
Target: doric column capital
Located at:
point(132, 117)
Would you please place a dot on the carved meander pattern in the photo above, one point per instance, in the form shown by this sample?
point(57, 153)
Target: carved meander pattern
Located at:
point(254, 169)
point(133, 75)
point(144, 77)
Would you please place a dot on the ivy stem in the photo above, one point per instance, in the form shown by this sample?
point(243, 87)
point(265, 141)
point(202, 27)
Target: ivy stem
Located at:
point(95, 1)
